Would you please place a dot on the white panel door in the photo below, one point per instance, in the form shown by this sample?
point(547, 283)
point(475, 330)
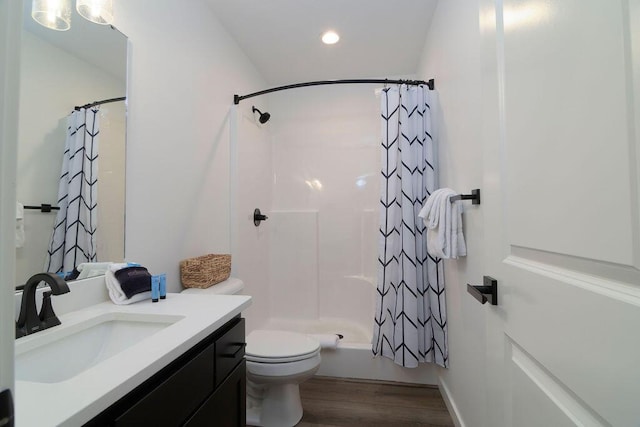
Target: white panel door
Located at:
point(561, 84)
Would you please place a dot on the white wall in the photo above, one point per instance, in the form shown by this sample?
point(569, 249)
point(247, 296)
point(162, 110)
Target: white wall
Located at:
point(52, 82)
point(184, 71)
point(452, 57)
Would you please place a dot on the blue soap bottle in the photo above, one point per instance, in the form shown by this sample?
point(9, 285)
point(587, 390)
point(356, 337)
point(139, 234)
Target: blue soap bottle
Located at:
point(163, 286)
point(155, 288)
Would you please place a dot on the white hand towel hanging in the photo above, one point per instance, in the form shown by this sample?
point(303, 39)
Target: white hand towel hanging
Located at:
point(443, 219)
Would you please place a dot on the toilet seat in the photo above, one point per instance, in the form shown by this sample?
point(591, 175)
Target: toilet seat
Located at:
point(258, 359)
point(267, 346)
point(282, 372)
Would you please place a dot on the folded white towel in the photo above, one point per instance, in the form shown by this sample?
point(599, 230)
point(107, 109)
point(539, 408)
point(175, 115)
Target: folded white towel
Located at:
point(92, 269)
point(443, 219)
point(19, 225)
point(115, 290)
point(327, 341)
point(115, 266)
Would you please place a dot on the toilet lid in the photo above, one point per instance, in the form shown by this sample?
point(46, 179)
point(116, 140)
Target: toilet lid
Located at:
point(279, 346)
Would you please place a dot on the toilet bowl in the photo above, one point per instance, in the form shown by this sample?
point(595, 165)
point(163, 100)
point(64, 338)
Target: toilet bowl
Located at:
point(277, 363)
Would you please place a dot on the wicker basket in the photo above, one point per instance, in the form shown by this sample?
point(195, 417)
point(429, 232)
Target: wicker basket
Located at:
point(205, 271)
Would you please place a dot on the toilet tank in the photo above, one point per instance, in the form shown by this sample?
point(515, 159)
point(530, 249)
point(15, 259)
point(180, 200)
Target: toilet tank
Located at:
point(231, 286)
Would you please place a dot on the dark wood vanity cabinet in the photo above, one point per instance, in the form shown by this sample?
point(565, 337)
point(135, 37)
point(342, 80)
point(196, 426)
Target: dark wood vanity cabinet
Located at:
point(206, 386)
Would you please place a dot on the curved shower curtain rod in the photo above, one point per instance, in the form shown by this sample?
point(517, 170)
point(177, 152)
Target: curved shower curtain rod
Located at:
point(430, 84)
point(104, 101)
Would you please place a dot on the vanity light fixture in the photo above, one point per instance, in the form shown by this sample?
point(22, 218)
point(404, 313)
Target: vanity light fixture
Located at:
point(56, 14)
point(98, 11)
point(330, 37)
point(53, 14)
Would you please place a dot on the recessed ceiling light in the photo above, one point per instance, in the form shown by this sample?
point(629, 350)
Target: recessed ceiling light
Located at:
point(330, 37)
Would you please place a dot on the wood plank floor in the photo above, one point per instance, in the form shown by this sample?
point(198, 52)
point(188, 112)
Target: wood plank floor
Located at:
point(334, 402)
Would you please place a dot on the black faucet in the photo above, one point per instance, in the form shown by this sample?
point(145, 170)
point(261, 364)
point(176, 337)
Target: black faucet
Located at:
point(29, 321)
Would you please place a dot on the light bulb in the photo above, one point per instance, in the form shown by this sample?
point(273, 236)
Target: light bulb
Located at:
point(330, 37)
point(53, 14)
point(98, 11)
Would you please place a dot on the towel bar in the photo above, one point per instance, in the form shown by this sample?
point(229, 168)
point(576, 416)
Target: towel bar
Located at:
point(44, 207)
point(474, 196)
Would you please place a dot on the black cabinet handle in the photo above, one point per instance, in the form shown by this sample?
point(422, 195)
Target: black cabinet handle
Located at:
point(488, 292)
point(241, 346)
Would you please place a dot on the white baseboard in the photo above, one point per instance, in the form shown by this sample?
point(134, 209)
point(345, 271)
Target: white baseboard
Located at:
point(451, 405)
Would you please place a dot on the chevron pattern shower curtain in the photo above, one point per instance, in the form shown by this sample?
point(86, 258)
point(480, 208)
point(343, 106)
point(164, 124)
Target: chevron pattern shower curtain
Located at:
point(411, 320)
point(73, 238)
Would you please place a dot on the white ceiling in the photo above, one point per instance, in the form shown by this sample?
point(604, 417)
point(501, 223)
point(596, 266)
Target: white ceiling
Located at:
point(378, 38)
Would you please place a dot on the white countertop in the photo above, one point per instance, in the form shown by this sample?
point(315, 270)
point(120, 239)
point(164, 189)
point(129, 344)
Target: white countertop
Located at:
point(80, 398)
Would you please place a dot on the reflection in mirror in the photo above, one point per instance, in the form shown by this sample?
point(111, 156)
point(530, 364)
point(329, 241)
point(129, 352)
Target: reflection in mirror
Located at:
point(59, 71)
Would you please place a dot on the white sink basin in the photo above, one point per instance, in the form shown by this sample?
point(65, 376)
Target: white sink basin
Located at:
point(64, 351)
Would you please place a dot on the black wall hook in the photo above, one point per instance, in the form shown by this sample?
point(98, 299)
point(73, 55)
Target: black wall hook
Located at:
point(488, 292)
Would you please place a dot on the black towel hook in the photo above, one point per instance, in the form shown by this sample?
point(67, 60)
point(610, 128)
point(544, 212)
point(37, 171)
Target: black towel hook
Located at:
point(488, 292)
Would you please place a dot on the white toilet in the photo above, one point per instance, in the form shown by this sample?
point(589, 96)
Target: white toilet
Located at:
point(277, 363)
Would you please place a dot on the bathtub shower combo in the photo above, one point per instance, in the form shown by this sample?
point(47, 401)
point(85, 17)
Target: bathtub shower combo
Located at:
point(321, 194)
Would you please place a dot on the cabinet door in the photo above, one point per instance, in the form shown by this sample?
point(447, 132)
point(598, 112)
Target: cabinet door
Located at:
point(227, 405)
point(177, 397)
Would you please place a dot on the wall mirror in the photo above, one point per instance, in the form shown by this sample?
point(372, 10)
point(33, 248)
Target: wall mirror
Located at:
point(60, 70)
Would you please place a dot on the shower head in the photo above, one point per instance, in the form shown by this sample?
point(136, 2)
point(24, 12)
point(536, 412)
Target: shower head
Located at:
point(264, 117)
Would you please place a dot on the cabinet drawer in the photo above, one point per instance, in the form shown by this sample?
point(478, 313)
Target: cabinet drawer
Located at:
point(177, 397)
point(229, 350)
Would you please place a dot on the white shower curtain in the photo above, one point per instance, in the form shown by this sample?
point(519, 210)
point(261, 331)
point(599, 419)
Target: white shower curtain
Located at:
point(410, 321)
point(73, 238)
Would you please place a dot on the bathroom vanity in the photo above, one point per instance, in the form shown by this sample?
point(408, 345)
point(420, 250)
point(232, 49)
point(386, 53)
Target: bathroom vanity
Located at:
point(176, 362)
point(206, 386)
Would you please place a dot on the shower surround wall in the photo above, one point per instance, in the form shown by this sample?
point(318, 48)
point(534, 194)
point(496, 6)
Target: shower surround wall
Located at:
point(325, 145)
point(251, 188)
point(323, 223)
